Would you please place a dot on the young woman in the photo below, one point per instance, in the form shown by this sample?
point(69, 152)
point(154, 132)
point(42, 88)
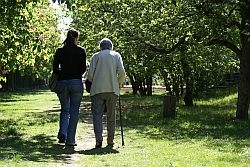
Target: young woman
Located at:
point(69, 64)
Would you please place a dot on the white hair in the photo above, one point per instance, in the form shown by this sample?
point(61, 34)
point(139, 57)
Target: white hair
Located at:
point(106, 43)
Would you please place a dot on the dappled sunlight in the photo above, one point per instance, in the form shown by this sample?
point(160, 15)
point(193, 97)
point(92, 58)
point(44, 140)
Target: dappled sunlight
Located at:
point(229, 100)
point(40, 148)
point(208, 127)
point(208, 119)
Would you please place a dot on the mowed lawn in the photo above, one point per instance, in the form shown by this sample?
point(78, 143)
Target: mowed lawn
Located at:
point(203, 135)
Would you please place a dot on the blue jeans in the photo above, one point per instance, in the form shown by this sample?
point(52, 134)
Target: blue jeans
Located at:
point(70, 94)
point(97, 107)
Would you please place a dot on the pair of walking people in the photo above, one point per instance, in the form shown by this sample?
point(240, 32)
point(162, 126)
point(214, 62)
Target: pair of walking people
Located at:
point(106, 72)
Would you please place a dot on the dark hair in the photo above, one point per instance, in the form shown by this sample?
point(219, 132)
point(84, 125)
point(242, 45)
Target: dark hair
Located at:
point(71, 35)
point(69, 41)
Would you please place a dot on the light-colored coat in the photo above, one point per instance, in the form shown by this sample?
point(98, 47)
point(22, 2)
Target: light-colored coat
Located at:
point(106, 72)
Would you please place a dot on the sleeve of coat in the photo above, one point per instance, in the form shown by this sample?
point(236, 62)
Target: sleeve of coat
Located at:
point(120, 71)
point(91, 69)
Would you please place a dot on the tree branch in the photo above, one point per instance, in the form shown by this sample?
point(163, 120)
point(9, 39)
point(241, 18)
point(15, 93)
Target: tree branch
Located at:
point(237, 24)
point(154, 48)
point(168, 51)
point(227, 44)
point(104, 9)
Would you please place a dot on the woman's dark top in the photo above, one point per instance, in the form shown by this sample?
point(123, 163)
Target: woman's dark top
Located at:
point(72, 66)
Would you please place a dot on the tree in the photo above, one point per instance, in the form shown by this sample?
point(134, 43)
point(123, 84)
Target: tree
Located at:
point(163, 26)
point(116, 24)
point(29, 37)
point(227, 23)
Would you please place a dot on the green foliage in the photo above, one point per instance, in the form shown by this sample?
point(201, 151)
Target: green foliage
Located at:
point(148, 34)
point(28, 38)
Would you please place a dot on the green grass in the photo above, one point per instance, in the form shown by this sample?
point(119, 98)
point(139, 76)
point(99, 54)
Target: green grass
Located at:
point(203, 135)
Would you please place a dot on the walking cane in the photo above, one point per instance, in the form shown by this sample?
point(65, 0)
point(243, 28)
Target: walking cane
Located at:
point(121, 120)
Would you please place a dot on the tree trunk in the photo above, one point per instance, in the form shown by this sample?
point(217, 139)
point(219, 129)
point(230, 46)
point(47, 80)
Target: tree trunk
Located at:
point(188, 98)
point(10, 82)
point(169, 106)
point(187, 75)
point(149, 86)
point(244, 55)
point(244, 83)
point(167, 84)
point(142, 87)
point(169, 89)
point(133, 83)
point(176, 90)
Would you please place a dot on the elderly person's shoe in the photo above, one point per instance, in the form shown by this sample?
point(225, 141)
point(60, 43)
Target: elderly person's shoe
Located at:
point(70, 144)
point(110, 142)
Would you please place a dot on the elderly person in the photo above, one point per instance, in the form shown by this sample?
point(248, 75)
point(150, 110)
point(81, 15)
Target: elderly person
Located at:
point(106, 72)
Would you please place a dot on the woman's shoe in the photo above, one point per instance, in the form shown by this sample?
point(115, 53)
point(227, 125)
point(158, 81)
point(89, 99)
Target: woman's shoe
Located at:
point(61, 139)
point(74, 144)
point(98, 144)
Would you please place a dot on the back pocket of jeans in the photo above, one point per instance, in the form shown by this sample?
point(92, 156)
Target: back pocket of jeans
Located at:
point(61, 89)
point(76, 89)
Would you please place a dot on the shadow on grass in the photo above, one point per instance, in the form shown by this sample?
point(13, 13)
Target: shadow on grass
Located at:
point(201, 123)
point(10, 96)
point(144, 114)
point(39, 148)
point(42, 149)
point(99, 151)
point(15, 146)
point(207, 123)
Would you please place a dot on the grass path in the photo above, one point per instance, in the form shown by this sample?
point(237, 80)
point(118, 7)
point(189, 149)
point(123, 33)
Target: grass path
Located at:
point(86, 139)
